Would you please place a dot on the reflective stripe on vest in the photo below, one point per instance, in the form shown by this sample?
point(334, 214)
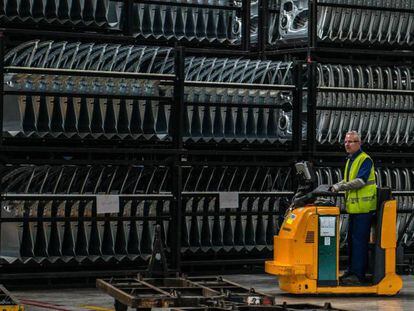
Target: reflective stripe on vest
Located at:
point(364, 199)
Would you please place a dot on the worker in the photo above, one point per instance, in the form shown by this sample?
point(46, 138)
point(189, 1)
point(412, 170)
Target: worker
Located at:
point(361, 202)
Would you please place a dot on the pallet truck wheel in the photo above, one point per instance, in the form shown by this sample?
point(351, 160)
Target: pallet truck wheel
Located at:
point(119, 306)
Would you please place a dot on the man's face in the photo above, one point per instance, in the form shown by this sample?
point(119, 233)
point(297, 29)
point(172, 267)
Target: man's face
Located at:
point(352, 144)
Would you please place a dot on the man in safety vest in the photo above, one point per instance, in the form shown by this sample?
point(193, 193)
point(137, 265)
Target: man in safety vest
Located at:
point(361, 202)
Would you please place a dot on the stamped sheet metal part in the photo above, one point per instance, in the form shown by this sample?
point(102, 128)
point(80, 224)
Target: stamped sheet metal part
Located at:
point(376, 127)
point(190, 21)
point(140, 108)
point(63, 225)
point(165, 21)
point(362, 24)
point(105, 14)
point(51, 214)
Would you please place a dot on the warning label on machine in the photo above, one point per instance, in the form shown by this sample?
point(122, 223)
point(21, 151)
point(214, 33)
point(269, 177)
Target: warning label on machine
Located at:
point(327, 226)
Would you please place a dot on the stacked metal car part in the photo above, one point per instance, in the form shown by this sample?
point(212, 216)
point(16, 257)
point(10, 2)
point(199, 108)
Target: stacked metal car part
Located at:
point(208, 21)
point(375, 127)
point(207, 227)
point(92, 117)
point(217, 24)
point(72, 225)
point(63, 222)
point(359, 25)
point(89, 13)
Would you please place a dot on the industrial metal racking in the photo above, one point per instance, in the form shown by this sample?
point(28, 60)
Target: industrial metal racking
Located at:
point(188, 203)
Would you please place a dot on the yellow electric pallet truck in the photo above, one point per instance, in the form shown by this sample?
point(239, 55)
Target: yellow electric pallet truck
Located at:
point(306, 250)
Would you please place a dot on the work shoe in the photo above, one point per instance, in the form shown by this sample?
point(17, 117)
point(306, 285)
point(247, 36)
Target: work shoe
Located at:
point(346, 275)
point(350, 279)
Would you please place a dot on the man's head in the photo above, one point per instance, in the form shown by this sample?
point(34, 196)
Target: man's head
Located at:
point(352, 142)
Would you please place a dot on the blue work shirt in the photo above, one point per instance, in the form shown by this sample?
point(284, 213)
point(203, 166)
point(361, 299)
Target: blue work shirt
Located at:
point(365, 168)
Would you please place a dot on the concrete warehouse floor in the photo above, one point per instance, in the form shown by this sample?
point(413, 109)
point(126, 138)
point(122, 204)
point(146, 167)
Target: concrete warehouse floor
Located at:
point(93, 299)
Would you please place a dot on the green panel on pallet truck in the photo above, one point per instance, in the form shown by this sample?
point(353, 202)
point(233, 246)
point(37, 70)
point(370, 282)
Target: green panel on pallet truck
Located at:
point(327, 251)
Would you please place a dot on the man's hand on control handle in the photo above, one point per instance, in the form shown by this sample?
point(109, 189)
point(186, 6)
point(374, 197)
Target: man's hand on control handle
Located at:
point(354, 184)
point(333, 188)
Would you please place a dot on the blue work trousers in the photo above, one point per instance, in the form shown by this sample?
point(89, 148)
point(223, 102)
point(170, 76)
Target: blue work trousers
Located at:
point(358, 238)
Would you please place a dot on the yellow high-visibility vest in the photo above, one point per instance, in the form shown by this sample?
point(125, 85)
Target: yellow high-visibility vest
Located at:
point(364, 199)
